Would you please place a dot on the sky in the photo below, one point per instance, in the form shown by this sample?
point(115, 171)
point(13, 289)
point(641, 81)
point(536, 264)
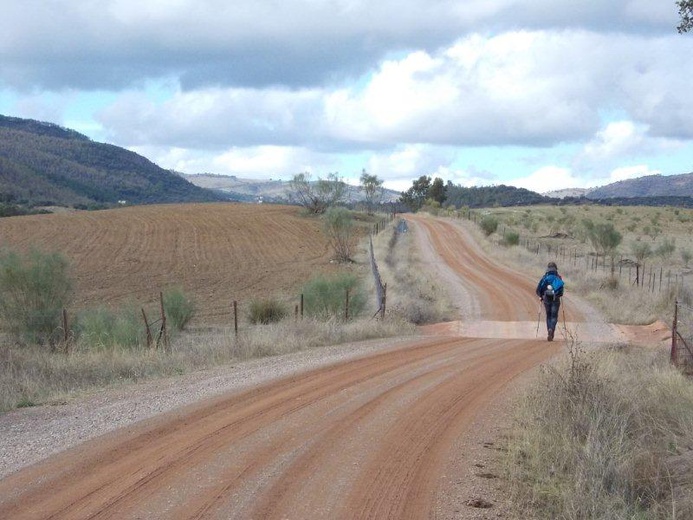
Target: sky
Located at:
point(539, 94)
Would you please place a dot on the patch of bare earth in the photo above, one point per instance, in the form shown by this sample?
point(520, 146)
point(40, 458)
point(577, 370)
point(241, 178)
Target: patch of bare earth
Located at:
point(405, 429)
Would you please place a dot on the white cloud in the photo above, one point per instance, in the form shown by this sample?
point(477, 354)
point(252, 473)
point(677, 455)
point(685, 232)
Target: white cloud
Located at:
point(618, 139)
point(630, 172)
point(548, 178)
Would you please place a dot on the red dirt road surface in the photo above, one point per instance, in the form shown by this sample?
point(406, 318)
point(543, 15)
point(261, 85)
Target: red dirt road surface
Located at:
point(367, 438)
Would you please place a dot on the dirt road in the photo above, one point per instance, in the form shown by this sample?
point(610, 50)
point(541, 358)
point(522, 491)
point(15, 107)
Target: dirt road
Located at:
point(366, 438)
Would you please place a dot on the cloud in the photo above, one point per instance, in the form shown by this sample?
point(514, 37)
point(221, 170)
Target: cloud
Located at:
point(521, 88)
point(113, 44)
point(630, 172)
point(548, 178)
point(618, 139)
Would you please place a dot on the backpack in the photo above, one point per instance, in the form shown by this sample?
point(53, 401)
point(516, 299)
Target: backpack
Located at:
point(552, 286)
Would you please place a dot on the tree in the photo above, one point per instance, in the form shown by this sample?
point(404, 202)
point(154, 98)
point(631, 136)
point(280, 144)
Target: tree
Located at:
point(317, 196)
point(437, 191)
point(415, 196)
point(641, 251)
point(605, 240)
point(686, 14)
point(339, 228)
point(372, 188)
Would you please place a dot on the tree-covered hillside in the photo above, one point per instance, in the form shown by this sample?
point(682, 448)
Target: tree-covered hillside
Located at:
point(42, 164)
point(647, 186)
point(488, 196)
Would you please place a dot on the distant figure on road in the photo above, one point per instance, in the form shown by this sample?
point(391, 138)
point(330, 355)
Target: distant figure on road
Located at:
point(550, 290)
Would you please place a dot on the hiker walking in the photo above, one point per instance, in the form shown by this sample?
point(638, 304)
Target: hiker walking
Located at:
point(550, 290)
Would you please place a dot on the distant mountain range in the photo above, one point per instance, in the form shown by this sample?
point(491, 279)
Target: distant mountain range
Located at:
point(43, 164)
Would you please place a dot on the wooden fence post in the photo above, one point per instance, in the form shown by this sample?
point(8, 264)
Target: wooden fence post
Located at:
point(235, 317)
point(149, 332)
point(383, 303)
point(301, 306)
point(162, 331)
point(346, 306)
point(674, 332)
point(66, 335)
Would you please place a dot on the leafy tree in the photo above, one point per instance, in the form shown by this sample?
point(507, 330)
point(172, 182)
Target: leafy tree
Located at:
point(339, 228)
point(641, 251)
point(372, 188)
point(416, 196)
point(437, 191)
point(317, 196)
point(686, 14)
point(604, 238)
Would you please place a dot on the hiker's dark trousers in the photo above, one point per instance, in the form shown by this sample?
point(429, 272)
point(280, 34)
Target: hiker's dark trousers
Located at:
point(552, 313)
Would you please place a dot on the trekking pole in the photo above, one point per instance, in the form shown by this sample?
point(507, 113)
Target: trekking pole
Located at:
point(565, 327)
point(538, 319)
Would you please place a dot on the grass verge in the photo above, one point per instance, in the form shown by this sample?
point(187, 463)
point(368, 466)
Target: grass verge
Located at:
point(604, 435)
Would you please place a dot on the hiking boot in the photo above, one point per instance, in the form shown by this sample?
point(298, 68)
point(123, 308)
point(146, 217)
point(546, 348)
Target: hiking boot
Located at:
point(550, 336)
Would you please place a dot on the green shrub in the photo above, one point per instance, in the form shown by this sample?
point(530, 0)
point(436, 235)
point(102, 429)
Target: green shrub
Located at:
point(102, 328)
point(325, 297)
point(266, 312)
point(489, 224)
point(34, 290)
point(178, 307)
point(511, 238)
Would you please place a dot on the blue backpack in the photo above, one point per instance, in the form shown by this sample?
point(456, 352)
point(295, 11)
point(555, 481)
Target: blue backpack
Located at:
point(554, 281)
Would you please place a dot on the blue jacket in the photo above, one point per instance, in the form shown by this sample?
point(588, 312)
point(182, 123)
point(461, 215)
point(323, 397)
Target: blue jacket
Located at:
point(548, 279)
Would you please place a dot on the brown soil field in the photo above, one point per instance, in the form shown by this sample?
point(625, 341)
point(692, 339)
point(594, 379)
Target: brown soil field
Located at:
point(216, 253)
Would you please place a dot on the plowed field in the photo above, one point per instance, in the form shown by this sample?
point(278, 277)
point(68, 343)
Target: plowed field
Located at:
point(215, 252)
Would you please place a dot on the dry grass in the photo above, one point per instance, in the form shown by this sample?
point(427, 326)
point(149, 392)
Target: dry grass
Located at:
point(30, 375)
point(414, 295)
point(605, 435)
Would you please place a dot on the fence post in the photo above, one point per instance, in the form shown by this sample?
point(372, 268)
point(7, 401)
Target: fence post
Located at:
point(149, 332)
point(301, 306)
point(235, 317)
point(382, 306)
point(674, 332)
point(65, 332)
point(346, 306)
point(162, 331)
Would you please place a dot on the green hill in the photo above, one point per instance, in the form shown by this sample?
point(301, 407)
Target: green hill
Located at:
point(42, 164)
